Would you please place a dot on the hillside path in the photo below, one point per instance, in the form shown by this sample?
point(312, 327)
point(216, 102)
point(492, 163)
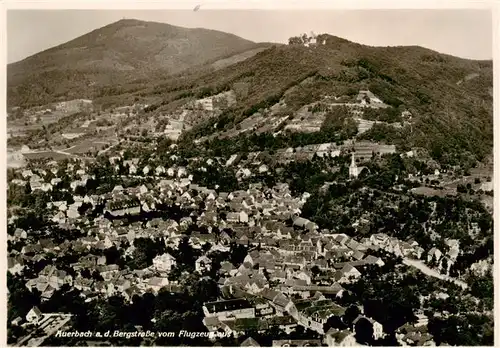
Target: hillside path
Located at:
point(432, 273)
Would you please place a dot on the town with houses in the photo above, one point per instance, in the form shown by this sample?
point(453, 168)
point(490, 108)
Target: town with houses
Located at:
point(115, 226)
point(293, 273)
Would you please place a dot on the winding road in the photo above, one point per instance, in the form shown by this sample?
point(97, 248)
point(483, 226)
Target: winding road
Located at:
point(432, 273)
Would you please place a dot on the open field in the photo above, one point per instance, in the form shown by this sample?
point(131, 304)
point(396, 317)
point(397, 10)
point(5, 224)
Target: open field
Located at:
point(50, 155)
point(84, 146)
point(429, 192)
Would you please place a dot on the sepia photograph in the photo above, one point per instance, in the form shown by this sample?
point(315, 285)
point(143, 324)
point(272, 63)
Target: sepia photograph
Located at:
point(283, 177)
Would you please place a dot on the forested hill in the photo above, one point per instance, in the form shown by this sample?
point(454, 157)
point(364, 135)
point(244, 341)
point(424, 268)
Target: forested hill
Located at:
point(127, 50)
point(449, 98)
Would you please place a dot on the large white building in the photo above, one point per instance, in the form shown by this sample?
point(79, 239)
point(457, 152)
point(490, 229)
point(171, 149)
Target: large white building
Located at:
point(164, 263)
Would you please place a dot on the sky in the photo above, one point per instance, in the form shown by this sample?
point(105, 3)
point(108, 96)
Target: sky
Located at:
point(464, 33)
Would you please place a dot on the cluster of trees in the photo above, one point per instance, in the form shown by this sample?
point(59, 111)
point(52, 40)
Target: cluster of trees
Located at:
point(103, 122)
point(217, 176)
point(309, 176)
point(21, 300)
point(339, 123)
point(318, 107)
point(17, 195)
point(301, 40)
point(389, 115)
point(463, 329)
point(387, 134)
point(343, 194)
point(146, 249)
point(458, 301)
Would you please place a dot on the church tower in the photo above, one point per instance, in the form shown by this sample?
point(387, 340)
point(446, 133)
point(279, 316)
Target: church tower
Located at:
point(353, 168)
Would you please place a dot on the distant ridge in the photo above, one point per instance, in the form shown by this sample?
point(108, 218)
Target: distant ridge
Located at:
point(129, 49)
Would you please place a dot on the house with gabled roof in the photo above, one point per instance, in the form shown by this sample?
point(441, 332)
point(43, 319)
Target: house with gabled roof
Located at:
point(181, 172)
point(225, 238)
point(354, 245)
point(255, 283)
point(283, 304)
point(347, 274)
point(34, 316)
point(313, 313)
point(59, 218)
point(164, 262)
point(228, 268)
point(358, 255)
point(27, 173)
point(171, 171)
point(223, 195)
point(342, 239)
point(295, 261)
point(269, 294)
point(15, 265)
point(49, 280)
point(249, 342)
point(160, 170)
point(31, 249)
point(203, 264)
point(379, 239)
point(454, 248)
point(334, 289)
point(108, 271)
point(156, 283)
point(20, 234)
point(129, 293)
point(243, 216)
point(378, 330)
point(121, 284)
point(83, 284)
point(252, 257)
point(243, 173)
point(304, 275)
point(212, 324)
point(229, 309)
point(435, 254)
point(408, 335)
point(233, 217)
point(233, 160)
point(279, 276)
point(263, 168)
point(238, 327)
point(342, 338)
point(322, 264)
point(306, 245)
point(372, 260)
